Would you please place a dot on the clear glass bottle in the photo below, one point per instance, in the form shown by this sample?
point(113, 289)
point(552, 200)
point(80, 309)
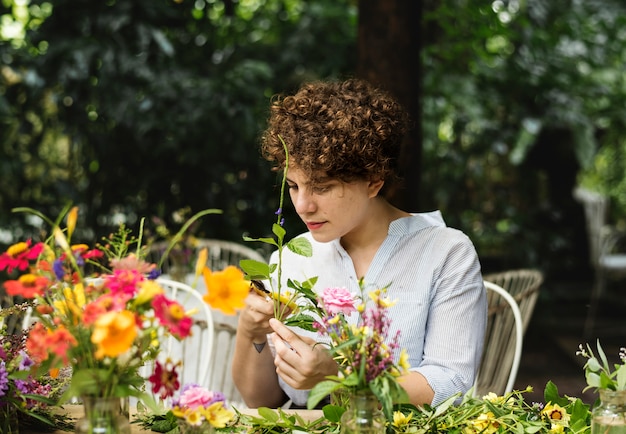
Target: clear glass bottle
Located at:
point(609, 417)
point(102, 416)
point(363, 415)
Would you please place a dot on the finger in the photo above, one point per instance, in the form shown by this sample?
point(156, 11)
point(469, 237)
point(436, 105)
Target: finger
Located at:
point(289, 339)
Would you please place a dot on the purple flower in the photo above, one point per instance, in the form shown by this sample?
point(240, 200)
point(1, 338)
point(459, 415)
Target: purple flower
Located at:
point(57, 266)
point(4, 379)
point(25, 361)
point(154, 273)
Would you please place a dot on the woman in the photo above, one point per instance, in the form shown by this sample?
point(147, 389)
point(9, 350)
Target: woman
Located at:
point(343, 141)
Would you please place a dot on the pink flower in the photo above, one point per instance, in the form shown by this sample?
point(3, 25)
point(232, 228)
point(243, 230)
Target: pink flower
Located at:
point(124, 281)
point(18, 256)
point(172, 315)
point(197, 396)
point(338, 300)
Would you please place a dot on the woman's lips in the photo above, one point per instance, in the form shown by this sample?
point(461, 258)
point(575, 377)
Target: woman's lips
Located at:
point(314, 225)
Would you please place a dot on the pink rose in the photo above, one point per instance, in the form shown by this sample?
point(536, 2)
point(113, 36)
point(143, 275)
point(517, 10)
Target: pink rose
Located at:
point(336, 300)
point(195, 397)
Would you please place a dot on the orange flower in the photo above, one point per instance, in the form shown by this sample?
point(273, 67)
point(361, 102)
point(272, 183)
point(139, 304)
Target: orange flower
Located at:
point(226, 289)
point(27, 285)
point(114, 333)
point(41, 342)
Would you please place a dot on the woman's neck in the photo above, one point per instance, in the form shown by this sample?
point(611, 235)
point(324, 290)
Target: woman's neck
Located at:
point(363, 244)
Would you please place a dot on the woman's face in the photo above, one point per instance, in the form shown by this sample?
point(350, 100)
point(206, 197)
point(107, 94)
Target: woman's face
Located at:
point(330, 209)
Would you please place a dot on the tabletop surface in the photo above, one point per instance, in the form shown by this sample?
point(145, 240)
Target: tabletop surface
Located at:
point(76, 411)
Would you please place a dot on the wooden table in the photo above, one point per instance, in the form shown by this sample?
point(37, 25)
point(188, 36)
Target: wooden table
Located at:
point(76, 412)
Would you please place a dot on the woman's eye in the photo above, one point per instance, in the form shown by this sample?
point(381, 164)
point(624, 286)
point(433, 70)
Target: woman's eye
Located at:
point(321, 189)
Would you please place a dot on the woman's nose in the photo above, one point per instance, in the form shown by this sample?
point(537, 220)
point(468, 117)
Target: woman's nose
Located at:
point(303, 202)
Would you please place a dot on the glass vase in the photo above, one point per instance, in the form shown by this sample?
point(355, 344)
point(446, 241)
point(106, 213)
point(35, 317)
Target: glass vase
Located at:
point(102, 416)
point(363, 415)
point(9, 422)
point(610, 416)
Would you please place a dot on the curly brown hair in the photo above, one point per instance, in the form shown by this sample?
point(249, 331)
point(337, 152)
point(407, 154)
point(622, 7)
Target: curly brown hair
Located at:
point(346, 130)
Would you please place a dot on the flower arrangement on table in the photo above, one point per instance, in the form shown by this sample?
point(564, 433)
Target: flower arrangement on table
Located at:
point(365, 360)
point(609, 412)
point(100, 310)
point(25, 400)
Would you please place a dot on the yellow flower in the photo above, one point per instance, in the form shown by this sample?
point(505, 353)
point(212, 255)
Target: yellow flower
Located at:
point(556, 414)
point(72, 303)
point(203, 256)
point(485, 423)
point(147, 290)
point(556, 428)
point(114, 333)
point(226, 289)
point(218, 415)
point(381, 301)
point(194, 417)
point(400, 419)
point(403, 361)
point(72, 217)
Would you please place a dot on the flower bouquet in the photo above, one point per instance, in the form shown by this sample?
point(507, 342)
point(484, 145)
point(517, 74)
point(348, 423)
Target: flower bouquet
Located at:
point(609, 413)
point(362, 350)
point(24, 399)
point(100, 311)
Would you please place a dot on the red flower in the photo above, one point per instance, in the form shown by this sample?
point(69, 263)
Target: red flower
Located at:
point(172, 315)
point(165, 379)
point(27, 286)
point(18, 256)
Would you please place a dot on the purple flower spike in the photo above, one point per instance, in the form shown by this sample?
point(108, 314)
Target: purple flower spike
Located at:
point(57, 266)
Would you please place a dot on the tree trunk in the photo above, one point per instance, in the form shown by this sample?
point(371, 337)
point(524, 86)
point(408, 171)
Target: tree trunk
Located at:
point(389, 44)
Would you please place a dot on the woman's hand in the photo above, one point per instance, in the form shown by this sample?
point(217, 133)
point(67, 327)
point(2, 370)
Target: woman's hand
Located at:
point(254, 318)
point(299, 362)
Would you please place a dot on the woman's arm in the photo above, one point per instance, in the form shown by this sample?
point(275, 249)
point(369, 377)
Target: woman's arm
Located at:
point(253, 370)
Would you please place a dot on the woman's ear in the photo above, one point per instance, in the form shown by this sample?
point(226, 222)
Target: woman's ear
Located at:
point(374, 187)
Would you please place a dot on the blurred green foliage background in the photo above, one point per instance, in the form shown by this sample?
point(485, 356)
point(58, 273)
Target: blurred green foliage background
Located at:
point(139, 108)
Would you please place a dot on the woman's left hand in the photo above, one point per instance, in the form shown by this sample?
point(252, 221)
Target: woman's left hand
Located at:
point(299, 362)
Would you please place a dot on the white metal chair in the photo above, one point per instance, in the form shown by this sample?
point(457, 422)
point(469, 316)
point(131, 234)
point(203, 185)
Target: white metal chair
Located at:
point(523, 284)
point(221, 253)
point(195, 351)
point(501, 354)
point(607, 258)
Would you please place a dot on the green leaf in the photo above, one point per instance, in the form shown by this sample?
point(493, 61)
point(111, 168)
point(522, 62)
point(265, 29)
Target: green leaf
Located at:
point(320, 391)
point(255, 269)
point(279, 231)
point(300, 246)
point(262, 240)
point(621, 377)
point(268, 414)
point(333, 413)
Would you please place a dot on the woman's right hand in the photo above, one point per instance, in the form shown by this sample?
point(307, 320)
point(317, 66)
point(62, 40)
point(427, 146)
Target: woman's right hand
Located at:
point(254, 318)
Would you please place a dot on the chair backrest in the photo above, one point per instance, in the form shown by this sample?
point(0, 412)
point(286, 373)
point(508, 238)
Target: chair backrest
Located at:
point(223, 349)
point(195, 351)
point(596, 208)
point(503, 343)
point(221, 254)
point(523, 284)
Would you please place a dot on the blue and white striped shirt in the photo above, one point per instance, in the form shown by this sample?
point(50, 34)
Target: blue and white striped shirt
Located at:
point(434, 274)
